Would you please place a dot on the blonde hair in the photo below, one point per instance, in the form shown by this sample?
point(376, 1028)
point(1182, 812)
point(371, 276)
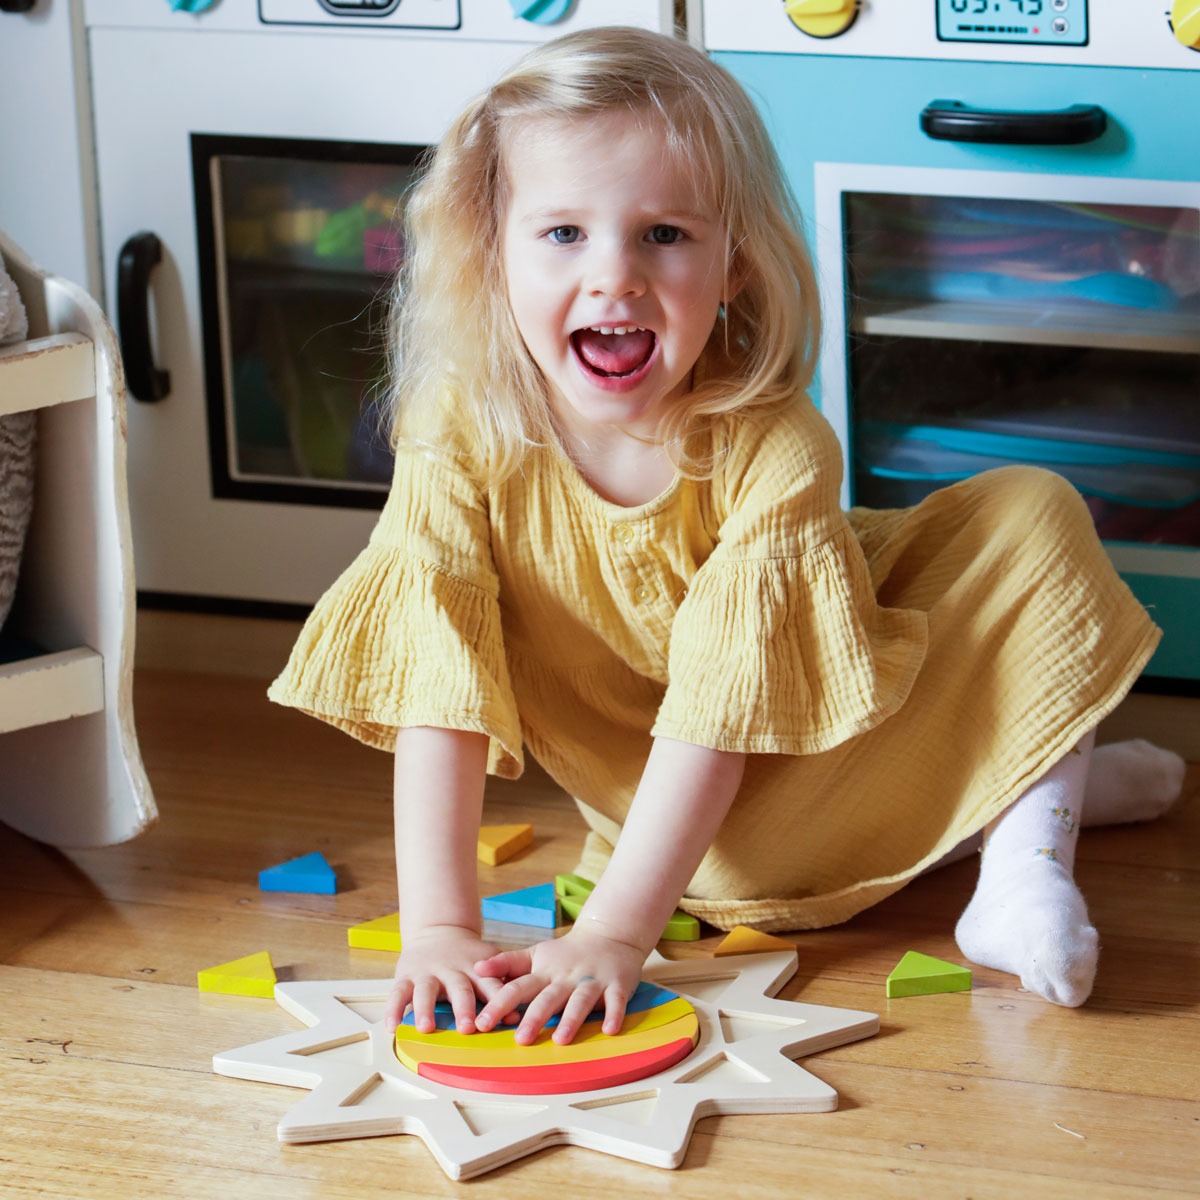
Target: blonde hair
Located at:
point(458, 361)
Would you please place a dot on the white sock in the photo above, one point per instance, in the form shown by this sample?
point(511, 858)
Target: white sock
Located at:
point(1131, 781)
point(1127, 781)
point(1027, 917)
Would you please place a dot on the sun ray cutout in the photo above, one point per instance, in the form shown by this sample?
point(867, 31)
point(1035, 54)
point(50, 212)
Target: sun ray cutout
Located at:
point(743, 1062)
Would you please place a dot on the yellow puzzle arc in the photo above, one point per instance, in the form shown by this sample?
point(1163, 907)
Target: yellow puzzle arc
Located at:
point(659, 1030)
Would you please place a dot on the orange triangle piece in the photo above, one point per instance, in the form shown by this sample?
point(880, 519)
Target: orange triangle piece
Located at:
point(741, 939)
point(498, 843)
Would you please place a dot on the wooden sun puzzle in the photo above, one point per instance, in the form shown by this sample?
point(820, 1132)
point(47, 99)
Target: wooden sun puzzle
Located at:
point(703, 1036)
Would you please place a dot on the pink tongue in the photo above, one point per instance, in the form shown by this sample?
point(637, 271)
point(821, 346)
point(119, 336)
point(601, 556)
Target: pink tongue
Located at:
point(614, 353)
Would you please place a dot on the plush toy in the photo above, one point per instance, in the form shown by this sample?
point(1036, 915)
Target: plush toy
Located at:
point(18, 432)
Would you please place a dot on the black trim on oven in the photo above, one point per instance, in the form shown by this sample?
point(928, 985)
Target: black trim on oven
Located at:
point(204, 148)
point(223, 606)
point(1166, 685)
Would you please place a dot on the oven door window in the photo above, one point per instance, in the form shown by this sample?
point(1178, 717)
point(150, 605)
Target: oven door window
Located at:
point(985, 332)
point(299, 242)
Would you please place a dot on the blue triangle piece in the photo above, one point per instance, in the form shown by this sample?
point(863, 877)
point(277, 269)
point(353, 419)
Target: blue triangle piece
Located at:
point(535, 905)
point(308, 873)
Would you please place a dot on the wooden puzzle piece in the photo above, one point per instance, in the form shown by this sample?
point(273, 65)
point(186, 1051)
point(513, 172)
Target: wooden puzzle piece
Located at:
point(742, 1062)
point(562, 1078)
point(535, 905)
point(414, 1048)
point(508, 1061)
point(681, 927)
point(573, 891)
point(921, 975)
point(253, 975)
point(651, 1017)
point(309, 873)
point(383, 933)
point(498, 843)
point(741, 939)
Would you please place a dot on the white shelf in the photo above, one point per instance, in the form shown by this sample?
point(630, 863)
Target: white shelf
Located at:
point(43, 371)
point(1100, 328)
point(51, 687)
point(71, 773)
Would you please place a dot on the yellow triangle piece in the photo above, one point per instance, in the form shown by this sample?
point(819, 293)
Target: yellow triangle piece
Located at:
point(498, 843)
point(383, 933)
point(741, 939)
point(250, 976)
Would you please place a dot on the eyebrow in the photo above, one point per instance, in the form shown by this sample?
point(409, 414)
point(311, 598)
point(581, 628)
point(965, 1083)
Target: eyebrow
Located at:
point(565, 216)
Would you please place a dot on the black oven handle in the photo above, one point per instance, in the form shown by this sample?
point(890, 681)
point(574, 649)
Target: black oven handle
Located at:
point(138, 257)
point(954, 121)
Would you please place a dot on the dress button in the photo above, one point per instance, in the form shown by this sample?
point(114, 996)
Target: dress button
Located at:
point(644, 595)
point(623, 533)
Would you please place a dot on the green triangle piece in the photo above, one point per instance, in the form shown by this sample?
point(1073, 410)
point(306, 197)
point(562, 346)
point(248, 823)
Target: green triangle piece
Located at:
point(921, 975)
point(573, 890)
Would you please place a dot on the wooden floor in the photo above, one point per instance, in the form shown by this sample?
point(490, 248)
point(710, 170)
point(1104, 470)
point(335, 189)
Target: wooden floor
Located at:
point(107, 1088)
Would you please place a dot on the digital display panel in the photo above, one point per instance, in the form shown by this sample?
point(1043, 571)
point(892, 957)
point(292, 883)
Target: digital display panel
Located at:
point(1044, 22)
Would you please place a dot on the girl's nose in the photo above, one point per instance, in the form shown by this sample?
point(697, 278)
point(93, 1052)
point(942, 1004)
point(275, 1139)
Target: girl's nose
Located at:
point(616, 272)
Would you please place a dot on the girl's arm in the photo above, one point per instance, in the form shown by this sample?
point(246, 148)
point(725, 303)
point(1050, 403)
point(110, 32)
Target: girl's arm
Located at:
point(682, 798)
point(439, 781)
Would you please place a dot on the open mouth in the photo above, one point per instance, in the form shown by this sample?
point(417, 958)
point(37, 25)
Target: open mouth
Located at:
point(616, 352)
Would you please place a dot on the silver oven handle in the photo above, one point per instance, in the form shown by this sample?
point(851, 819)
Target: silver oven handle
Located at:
point(954, 121)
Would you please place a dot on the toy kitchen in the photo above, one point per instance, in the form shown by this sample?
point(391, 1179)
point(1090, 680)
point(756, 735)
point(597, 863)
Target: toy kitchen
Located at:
point(1003, 201)
point(252, 161)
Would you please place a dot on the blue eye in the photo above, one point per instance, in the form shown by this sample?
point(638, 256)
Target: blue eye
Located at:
point(665, 235)
point(564, 235)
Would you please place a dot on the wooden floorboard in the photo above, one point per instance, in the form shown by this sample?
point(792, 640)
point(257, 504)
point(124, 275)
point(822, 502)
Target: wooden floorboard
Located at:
point(107, 1086)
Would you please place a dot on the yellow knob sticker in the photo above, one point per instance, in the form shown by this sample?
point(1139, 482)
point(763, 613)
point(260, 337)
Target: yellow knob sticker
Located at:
point(1185, 20)
point(822, 18)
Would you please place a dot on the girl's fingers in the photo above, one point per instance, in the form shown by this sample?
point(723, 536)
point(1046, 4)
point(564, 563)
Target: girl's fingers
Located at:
point(461, 995)
point(425, 995)
point(577, 1010)
point(397, 1003)
point(540, 1008)
point(615, 1000)
point(505, 1001)
point(509, 964)
point(488, 989)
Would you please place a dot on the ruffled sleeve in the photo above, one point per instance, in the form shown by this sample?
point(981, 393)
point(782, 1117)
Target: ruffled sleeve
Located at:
point(780, 645)
point(410, 633)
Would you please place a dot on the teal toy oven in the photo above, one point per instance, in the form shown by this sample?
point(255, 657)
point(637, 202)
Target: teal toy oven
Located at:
point(1003, 201)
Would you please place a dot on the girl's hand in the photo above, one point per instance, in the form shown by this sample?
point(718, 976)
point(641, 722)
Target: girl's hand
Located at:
point(571, 975)
point(439, 961)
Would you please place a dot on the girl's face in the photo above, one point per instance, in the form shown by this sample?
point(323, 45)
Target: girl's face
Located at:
point(615, 266)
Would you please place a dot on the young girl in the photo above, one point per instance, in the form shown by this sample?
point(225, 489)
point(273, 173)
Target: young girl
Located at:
point(614, 537)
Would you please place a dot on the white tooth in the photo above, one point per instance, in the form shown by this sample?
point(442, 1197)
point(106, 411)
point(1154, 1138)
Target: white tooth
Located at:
point(605, 329)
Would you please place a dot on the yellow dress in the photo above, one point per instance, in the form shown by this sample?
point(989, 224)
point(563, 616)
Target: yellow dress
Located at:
point(897, 677)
